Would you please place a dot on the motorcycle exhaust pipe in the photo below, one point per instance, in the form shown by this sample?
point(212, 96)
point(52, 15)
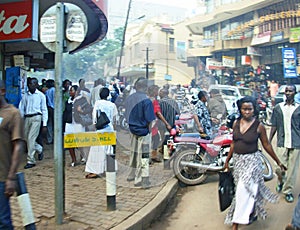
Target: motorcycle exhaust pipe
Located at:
point(209, 167)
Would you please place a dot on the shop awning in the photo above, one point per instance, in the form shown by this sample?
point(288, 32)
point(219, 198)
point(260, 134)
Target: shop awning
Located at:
point(95, 11)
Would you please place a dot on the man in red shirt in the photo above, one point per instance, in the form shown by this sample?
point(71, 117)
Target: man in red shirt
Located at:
point(153, 93)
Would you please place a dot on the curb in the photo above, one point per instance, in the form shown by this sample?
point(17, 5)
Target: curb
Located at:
point(145, 216)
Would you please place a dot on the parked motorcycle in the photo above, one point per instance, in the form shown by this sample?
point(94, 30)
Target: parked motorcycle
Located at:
point(265, 110)
point(122, 123)
point(194, 157)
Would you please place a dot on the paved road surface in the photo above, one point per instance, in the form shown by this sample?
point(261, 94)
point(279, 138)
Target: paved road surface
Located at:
point(197, 207)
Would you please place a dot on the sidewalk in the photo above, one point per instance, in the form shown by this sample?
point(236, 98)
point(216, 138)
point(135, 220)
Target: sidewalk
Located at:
point(85, 199)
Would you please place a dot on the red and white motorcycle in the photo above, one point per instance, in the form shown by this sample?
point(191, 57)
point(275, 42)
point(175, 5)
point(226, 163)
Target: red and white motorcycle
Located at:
point(194, 157)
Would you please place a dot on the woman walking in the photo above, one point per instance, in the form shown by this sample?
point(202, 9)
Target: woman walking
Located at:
point(96, 163)
point(251, 191)
point(70, 126)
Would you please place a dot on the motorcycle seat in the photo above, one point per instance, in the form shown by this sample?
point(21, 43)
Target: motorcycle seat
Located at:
point(195, 135)
point(191, 139)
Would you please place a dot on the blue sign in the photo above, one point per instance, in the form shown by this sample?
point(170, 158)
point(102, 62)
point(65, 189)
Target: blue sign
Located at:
point(168, 77)
point(289, 62)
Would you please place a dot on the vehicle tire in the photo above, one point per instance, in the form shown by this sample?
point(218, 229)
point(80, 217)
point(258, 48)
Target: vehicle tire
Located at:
point(185, 174)
point(123, 123)
point(267, 168)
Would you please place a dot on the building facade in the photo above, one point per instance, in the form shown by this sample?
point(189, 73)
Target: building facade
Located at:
point(243, 37)
point(20, 31)
point(155, 49)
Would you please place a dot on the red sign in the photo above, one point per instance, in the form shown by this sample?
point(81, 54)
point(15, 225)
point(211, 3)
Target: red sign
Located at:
point(17, 20)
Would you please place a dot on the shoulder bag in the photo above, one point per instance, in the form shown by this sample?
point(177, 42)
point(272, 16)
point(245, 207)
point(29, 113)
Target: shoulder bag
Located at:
point(102, 120)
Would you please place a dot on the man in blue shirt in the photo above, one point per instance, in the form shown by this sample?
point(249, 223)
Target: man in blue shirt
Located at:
point(139, 113)
point(50, 97)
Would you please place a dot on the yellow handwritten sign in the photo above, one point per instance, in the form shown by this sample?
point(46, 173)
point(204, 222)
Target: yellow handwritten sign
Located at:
point(73, 140)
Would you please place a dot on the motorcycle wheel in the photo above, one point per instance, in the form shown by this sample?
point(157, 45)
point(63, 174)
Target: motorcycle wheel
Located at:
point(124, 124)
point(267, 168)
point(185, 174)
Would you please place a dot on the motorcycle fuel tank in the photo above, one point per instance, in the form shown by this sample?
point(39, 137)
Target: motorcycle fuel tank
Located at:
point(223, 139)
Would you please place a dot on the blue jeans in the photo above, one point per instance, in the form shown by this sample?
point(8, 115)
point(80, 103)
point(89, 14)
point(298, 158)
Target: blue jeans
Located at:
point(5, 214)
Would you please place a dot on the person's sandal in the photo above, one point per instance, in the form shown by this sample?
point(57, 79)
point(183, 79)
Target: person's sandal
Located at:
point(291, 227)
point(91, 176)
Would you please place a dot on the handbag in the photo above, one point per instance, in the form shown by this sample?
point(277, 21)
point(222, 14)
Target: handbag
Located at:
point(85, 119)
point(102, 120)
point(226, 189)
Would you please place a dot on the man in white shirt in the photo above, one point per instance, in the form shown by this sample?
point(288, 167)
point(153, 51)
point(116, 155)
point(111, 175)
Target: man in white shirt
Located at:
point(33, 108)
point(99, 84)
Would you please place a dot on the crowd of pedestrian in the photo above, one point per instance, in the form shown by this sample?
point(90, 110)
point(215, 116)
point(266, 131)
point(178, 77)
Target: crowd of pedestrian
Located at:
point(151, 112)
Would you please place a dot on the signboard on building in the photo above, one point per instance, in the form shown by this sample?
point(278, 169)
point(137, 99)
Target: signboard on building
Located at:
point(295, 35)
point(212, 64)
point(19, 20)
point(261, 38)
point(277, 37)
point(168, 77)
point(289, 62)
point(246, 60)
point(228, 61)
point(255, 51)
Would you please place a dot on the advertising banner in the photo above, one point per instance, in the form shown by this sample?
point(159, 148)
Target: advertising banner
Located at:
point(212, 64)
point(19, 20)
point(246, 60)
point(295, 35)
point(228, 61)
point(289, 62)
point(261, 38)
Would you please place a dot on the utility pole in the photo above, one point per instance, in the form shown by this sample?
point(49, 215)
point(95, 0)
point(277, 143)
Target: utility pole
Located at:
point(58, 144)
point(123, 39)
point(167, 30)
point(147, 62)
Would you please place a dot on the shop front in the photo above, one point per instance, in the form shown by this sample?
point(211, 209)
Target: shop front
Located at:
point(19, 31)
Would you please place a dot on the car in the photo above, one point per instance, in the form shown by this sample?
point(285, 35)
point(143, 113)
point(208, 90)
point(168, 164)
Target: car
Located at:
point(245, 91)
point(230, 95)
point(280, 97)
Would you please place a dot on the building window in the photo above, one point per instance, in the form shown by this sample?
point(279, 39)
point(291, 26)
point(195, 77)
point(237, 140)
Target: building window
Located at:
point(171, 45)
point(191, 44)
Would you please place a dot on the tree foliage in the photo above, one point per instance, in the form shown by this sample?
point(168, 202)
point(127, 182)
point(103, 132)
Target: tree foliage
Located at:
point(89, 62)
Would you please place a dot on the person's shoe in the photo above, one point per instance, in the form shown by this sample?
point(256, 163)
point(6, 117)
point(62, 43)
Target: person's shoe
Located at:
point(130, 178)
point(156, 160)
point(252, 218)
point(139, 184)
point(73, 164)
point(291, 227)
point(83, 161)
point(29, 166)
point(289, 198)
point(279, 187)
point(146, 183)
point(41, 156)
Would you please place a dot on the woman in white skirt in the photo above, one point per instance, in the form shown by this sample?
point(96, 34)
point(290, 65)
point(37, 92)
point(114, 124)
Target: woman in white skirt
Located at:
point(96, 163)
point(68, 118)
point(251, 191)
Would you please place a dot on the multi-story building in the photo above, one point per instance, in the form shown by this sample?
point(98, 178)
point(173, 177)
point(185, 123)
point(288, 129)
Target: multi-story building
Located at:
point(158, 45)
point(242, 35)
